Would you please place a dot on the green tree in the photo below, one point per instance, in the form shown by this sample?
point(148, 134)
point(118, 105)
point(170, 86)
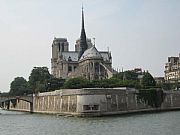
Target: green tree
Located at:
point(106, 83)
point(38, 79)
point(127, 75)
point(19, 86)
point(148, 81)
point(55, 83)
point(152, 97)
point(76, 83)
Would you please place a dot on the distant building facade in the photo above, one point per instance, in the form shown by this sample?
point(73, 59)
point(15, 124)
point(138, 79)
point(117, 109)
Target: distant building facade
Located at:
point(172, 70)
point(159, 80)
point(86, 61)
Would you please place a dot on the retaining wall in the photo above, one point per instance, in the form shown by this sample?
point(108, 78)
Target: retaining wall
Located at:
point(95, 102)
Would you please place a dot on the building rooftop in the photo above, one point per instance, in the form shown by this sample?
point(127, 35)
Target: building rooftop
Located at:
point(70, 56)
point(91, 53)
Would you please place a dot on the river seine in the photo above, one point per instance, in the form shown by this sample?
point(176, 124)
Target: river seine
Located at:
point(16, 123)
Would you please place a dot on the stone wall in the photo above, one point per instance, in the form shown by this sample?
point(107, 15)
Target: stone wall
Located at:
point(95, 102)
point(20, 106)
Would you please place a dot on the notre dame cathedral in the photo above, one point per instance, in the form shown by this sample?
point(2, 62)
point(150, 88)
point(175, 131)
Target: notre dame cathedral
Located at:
point(86, 61)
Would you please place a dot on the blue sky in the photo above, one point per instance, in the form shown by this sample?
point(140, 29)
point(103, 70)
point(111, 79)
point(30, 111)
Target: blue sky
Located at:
point(139, 33)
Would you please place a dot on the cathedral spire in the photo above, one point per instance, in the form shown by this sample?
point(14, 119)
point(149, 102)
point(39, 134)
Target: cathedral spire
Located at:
point(83, 42)
point(82, 18)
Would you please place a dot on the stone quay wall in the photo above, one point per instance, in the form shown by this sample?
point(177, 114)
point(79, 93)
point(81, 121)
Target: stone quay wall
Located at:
point(95, 102)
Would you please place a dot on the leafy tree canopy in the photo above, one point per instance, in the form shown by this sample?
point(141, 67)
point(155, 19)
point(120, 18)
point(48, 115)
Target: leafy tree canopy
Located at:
point(38, 79)
point(105, 83)
point(19, 86)
point(148, 80)
point(127, 75)
point(76, 83)
point(55, 83)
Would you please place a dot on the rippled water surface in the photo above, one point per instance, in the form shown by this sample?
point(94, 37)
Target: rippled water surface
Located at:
point(15, 123)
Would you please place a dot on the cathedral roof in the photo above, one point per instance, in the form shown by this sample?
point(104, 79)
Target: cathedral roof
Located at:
point(105, 55)
point(91, 53)
point(70, 56)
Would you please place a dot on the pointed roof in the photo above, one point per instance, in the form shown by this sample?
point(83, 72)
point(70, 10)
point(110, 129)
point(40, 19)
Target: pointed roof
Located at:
point(82, 27)
point(83, 42)
point(91, 53)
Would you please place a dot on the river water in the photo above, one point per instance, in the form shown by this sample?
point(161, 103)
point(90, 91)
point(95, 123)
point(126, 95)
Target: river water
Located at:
point(16, 123)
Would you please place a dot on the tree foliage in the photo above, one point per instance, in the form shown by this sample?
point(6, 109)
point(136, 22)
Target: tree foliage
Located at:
point(151, 97)
point(127, 75)
point(105, 83)
point(19, 86)
point(55, 83)
point(38, 79)
point(148, 80)
point(76, 83)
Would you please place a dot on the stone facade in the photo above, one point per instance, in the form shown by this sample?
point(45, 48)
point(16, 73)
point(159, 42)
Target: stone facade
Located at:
point(86, 61)
point(96, 102)
point(172, 70)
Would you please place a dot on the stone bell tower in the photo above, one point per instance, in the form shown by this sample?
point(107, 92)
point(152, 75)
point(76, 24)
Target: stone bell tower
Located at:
point(59, 46)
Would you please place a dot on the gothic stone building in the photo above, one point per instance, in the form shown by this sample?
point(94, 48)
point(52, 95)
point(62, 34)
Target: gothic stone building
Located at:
point(86, 61)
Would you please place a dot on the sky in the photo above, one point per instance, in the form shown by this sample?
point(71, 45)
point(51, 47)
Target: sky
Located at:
point(139, 33)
